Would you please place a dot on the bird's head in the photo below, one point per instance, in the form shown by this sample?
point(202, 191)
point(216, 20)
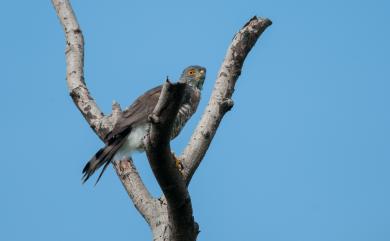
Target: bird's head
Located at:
point(194, 76)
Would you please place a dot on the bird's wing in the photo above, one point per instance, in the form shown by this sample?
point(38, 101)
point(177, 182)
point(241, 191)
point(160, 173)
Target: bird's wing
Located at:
point(136, 114)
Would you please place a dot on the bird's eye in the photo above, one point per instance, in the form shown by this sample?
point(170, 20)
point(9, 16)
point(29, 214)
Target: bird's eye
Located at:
point(191, 72)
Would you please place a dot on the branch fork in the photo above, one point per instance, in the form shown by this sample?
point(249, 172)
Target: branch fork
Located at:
point(170, 216)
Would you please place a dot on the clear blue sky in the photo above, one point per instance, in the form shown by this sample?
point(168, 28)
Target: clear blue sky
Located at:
point(303, 156)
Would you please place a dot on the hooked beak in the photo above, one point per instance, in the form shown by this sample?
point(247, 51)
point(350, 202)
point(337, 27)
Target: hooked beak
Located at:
point(202, 74)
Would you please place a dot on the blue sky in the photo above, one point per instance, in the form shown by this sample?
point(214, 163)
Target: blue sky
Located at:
point(303, 156)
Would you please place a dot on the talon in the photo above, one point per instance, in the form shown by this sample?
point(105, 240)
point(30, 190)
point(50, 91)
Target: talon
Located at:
point(178, 163)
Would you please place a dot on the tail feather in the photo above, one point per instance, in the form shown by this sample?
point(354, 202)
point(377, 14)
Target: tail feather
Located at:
point(102, 157)
point(101, 173)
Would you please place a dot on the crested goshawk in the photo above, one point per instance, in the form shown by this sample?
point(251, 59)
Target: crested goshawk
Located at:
point(133, 125)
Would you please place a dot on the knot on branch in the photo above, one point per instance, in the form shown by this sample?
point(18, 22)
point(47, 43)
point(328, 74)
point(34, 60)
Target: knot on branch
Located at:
point(227, 104)
point(124, 168)
point(153, 118)
point(206, 134)
point(116, 108)
point(123, 165)
point(116, 112)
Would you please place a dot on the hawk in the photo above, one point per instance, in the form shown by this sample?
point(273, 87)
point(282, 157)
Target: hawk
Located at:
point(133, 125)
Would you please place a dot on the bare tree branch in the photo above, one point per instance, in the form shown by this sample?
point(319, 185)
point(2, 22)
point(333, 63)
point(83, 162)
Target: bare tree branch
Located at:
point(75, 70)
point(158, 150)
point(132, 182)
point(170, 217)
point(220, 101)
point(100, 123)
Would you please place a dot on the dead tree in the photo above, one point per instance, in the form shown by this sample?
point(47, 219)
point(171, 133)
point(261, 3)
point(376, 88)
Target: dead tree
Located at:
point(170, 216)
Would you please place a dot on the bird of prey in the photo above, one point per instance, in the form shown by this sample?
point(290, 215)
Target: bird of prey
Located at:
point(131, 128)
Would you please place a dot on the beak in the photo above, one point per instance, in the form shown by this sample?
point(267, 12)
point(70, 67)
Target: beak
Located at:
point(202, 74)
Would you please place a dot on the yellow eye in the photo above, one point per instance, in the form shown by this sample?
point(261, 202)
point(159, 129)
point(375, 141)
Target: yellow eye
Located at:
point(191, 72)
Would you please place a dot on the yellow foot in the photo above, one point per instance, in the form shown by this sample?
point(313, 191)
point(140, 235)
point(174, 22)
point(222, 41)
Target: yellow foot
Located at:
point(178, 163)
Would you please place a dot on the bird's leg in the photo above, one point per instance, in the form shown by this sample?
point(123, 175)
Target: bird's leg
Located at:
point(178, 163)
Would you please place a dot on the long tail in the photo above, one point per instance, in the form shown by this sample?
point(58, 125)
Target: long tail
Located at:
point(102, 157)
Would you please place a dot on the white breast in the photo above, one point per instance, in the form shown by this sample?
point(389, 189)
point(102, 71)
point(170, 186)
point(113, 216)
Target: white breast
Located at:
point(134, 142)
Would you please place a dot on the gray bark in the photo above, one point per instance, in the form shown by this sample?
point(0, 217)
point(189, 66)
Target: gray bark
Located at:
point(170, 216)
point(180, 219)
point(220, 101)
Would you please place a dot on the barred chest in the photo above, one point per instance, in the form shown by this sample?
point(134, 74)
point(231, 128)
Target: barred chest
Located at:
point(187, 109)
